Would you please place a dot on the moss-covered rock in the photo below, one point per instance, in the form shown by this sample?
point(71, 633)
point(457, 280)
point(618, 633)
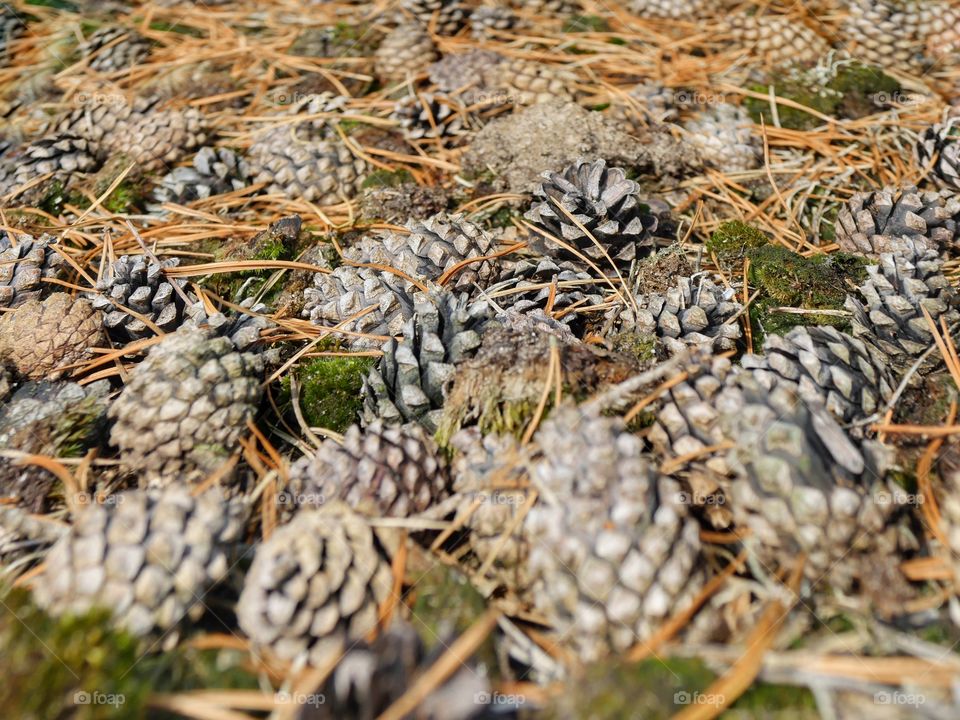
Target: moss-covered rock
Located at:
point(789, 280)
point(330, 390)
point(732, 240)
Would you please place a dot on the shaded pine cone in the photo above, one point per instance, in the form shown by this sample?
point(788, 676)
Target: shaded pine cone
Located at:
point(801, 485)
point(61, 155)
point(157, 137)
point(723, 135)
point(343, 298)
point(490, 471)
point(214, 171)
point(461, 74)
point(316, 584)
point(113, 48)
point(602, 200)
point(24, 262)
point(614, 549)
point(852, 378)
point(526, 285)
point(241, 328)
point(948, 497)
point(138, 283)
point(524, 82)
point(440, 117)
point(371, 677)
point(546, 7)
point(185, 406)
point(645, 104)
point(404, 52)
point(695, 311)
point(23, 534)
point(390, 471)
point(675, 9)
point(303, 166)
point(887, 308)
point(777, 39)
point(411, 380)
point(12, 26)
point(148, 556)
point(41, 340)
point(48, 418)
point(898, 220)
point(444, 17)
point(486, 21)
point(431, 248)
point(939, 150)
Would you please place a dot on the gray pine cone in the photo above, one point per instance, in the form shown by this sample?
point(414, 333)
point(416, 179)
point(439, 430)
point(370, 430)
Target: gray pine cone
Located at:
point(778, 40)
point(486, 21)
point(214, 171)
point(185, 406)
point(114, 48)
point(315, 585)
point(939, 150)
point(365, 304)
point(60, 155)
point(24, 536)
point(404, 52)
point(445, 17)
point(724, 136)
point(674, 9)
point(390, 471)
point(411, 380)
point(887, 308)
point(603, 201)
point(24, 262)
point(461, 75)
point(431, 116)
point(148, 556)
point(849, 376)
point(898, 220)
point(138, 283)
point(645, 104)
point(12, 26)
point(518, 81)
point(614, 549)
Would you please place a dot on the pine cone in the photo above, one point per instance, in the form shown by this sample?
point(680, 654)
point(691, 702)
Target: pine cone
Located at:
point(138, 283)
point(444, 17)
point(411, 379)
point(433, 246)
point(12, 26)
point(948, 466)
point(214, 171)
point(675, 9)
point(242, 329)
point(393, 471)
point(461, 75)
point(61, 155)
point(939, 150)
point(157, 138)
point(600, 199)
point(898, 220)
point(849, 376)
point(407, 201)
point(614, 550)
point(24, 263)
point(724, 136)
point(371, 677)
point(524, 82)
point(342, 298)
point(526, 285)
point(547, 7)
point(40, 339)
point(486, 21)
point(95, 121)
point(489, 470)
point(696, 311)
point(440, 117)
point(185, 406)
point(303, 166)
point(404, 52)
point(887, 311)
point(644, 105)
point(55, 419)
point(779, 40)
point(149, 556)
point(315, 585)
point(23, 534)
point(113, 48)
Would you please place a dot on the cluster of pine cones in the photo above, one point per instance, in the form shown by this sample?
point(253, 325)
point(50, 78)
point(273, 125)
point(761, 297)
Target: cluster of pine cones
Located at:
point(570, 396)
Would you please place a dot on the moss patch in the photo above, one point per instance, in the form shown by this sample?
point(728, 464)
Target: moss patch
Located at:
point(787, 279)
point(585, 23)
point(330, 390)
point(387, 178)
point(732, 240)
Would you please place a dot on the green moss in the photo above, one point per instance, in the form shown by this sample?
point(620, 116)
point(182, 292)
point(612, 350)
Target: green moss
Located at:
point(128, 196)
point(387, 178)
point(767, 701)
point(163, 26)
point(55, 4)
point(787, 279)
point(732, 240)
point(585, 23)
point(53, 199)
point(804, 90)
point(330, 390)
point(864, 89)
point(642, 346)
